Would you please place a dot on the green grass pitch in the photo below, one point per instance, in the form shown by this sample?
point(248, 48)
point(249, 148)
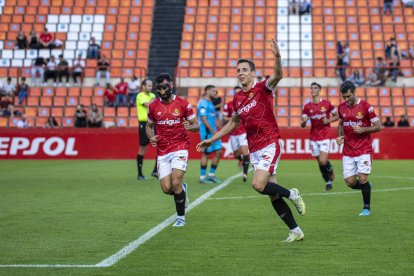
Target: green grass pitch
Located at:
point(81, 212)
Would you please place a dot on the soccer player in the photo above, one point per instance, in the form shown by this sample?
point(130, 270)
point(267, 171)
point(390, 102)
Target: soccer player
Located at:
point(321, 113)
point(357, 120)
point(207, 118)
point(143, 100)
point(238, 138)
point(173, 116)
point(254, 108)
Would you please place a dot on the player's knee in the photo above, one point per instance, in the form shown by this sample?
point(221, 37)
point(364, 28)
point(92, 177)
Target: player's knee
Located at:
point(258, 186)
point(350, 182)
point(166, 190)
point(363, 179)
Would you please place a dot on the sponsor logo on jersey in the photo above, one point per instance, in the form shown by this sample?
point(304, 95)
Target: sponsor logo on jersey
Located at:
point(246, 108)
point(176, 112)
point(169, 122)
point(360, 115)
point(318, 116)
point(352, 124)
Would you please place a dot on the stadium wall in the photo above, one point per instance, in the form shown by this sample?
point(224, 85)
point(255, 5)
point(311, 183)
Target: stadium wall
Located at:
point(123, 144)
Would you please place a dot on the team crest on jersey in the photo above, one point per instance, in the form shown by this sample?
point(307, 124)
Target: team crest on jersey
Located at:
point(251, 95)
point(323, 109)
point(311, 111)
point(360, 115)
point(176, 112)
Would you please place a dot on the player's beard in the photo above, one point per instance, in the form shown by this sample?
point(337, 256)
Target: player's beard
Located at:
point(166, 96)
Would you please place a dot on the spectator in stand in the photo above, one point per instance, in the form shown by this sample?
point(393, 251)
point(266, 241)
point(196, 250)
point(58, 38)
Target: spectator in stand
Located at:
point(21, 41)
point(339, 58)
point(345, 60)
point(121, 93)
point(78, 67)
point(294, 7)
point(9, 88)
point(23, 123)
point(394, 68)
point(34, 42)
point(23, 90)
point(411, 52)
point(51, 123)
point(38, 67)
point(109, 96)
point(103, 69)
point(50, 72)
point(381, 71)
point(388, 122)
point(392, 49)
point(372, 78)
point(46, 40)
point(94, 116)
point(403, 122)
point(218, 104)
point(94, 49)
point(356, 77)
point(63, 70)
point(6, 107)
point(2, 92)
point(133, 90)
point(388, 5)
point(80, 116)
point(305, 8)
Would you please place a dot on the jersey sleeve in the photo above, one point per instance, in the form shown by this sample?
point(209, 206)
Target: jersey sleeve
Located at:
point(202, 109)
point(264, 87)
point(340, 113)
point(150, 117)
point(371, 113)
point(305, 111)
point(188, 111)
point(331, 109)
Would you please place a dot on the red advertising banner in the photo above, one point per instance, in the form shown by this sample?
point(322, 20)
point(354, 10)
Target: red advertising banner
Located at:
point(123, 144)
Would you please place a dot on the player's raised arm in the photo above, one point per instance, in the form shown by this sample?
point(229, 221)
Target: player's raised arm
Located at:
point(229, 127)
point(278, 70)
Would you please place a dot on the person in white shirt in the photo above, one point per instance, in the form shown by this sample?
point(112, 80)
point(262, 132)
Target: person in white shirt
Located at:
point(23, 123)
point(133, 90)
point(9, 88)
point(78, 67)
point(50, 71)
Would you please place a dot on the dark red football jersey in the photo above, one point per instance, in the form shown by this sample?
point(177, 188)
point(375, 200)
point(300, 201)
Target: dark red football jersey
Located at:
point(168, 119)
point(361, 114)
point(316, 112)
point(255, 108)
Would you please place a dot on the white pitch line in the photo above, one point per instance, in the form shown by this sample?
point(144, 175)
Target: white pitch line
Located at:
point(318, 194)
point(113, 259)
point(152, 232)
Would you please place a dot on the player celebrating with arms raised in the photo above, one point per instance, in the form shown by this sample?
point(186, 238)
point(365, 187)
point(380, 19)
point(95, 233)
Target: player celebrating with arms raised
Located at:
point(321, 113)
point(357, 120)
point(254, 108)
point(173, 116)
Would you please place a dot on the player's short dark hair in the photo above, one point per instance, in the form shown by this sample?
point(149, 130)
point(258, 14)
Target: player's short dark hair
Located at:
point(317, 84)
point(144, 82)
point(250, 62)
point(163, 76)
point(346, 86)
point(208, 87)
